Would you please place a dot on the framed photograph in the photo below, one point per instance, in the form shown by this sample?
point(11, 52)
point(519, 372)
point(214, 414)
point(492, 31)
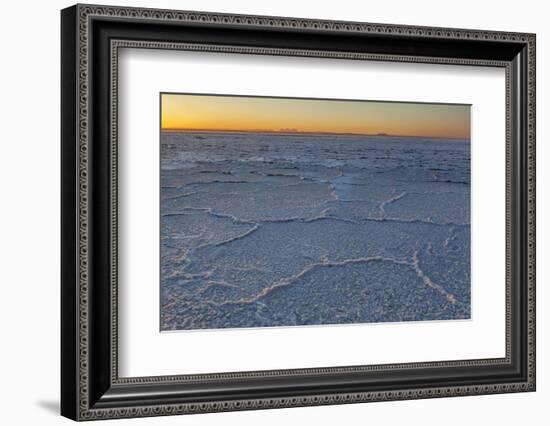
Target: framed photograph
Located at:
point(263, 212)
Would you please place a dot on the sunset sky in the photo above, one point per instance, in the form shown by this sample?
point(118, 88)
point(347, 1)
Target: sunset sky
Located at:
point(240, 113)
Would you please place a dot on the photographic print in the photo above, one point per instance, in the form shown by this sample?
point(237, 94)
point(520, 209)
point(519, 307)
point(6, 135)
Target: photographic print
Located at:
point(301, 212)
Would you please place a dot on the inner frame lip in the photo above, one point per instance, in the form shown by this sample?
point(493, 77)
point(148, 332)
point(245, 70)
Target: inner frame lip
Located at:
point(116, 44)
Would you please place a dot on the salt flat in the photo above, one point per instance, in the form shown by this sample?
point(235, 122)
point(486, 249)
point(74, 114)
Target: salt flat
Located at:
point(261, 229)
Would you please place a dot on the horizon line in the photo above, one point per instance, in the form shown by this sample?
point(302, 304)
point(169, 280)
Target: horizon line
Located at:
point(298, 132)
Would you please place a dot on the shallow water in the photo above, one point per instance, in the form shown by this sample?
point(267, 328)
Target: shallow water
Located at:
point(281, 230)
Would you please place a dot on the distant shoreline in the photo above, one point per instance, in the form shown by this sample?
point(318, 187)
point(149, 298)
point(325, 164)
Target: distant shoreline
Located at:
point(282, 133)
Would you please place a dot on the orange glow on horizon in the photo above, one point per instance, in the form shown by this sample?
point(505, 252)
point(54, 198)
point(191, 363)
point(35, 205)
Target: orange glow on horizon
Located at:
point(249, 114)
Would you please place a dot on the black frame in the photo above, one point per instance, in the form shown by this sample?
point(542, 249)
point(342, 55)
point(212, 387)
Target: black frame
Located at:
point(90, 386)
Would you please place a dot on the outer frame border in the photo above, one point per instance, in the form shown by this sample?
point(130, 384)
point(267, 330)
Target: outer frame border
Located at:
point(83, 409)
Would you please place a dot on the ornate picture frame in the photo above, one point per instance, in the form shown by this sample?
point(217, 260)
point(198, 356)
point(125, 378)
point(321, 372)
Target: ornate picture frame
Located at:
point(91, 37)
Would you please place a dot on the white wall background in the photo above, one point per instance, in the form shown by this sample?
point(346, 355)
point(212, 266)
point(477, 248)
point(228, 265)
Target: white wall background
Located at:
point(29, 212)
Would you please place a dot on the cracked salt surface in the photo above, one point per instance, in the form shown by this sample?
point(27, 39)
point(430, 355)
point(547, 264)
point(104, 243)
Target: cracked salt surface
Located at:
point(281, 230)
